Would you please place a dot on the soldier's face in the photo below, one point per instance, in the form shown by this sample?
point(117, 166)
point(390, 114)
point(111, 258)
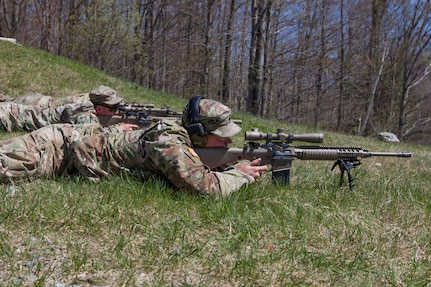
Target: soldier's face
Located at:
point(216, 141)
point(105, 111)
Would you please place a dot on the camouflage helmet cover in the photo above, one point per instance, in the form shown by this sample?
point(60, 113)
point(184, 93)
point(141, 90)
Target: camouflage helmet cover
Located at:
point(105, 96)
point(215, 118)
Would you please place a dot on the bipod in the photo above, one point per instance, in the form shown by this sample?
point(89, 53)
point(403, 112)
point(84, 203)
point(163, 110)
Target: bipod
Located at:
point(346, 165)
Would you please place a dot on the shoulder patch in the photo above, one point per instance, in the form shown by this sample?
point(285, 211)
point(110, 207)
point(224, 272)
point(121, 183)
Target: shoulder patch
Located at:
point(192, 152)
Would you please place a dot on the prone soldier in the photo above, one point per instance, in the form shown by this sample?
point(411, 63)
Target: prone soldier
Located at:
point(32, 112)
point(166, 150)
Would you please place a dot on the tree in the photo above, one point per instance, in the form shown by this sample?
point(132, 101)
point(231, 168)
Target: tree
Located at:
point(355, 66)
point(260, 18)
point(12, 18)
point(225, 90)
point(414, 49)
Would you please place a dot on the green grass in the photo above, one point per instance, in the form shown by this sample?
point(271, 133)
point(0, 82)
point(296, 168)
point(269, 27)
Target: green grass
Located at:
point(124, 232)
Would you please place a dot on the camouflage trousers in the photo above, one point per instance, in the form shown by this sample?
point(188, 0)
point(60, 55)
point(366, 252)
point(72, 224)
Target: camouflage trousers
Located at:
point(43, 101)
point(41, 153)
point(20, 117)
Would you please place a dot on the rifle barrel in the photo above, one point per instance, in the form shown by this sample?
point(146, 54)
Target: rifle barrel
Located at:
point(396, 154)
point(333, 153)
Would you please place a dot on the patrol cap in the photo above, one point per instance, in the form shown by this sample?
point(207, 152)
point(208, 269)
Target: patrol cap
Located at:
point(215, 118)
point(105, 96)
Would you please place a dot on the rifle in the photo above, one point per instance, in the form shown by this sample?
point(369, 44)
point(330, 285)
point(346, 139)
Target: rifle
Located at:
point(139, 114)
point(142, 115)
point(278, 152)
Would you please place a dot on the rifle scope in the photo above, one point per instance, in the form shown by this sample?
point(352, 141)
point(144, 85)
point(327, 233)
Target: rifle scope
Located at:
point(254, 134)
point(129, 106)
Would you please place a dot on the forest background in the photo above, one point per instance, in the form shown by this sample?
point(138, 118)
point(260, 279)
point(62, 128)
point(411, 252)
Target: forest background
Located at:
point(355, 66)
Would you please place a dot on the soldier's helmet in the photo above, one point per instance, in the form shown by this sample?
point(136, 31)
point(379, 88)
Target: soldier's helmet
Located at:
point(105, 96)
point(205, 116)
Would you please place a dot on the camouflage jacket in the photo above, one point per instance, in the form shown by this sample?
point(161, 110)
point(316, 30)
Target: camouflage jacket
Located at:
point(165, 149)
point(21, 117)
point(43, 101)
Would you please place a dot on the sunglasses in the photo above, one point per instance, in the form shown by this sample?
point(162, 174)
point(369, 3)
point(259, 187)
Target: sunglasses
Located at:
point(111, 109)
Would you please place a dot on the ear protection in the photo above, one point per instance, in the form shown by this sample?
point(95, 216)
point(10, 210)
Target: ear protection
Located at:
point(194, 128)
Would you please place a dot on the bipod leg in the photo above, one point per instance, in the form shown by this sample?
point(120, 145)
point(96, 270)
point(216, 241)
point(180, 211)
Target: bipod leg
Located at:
point(346, 165)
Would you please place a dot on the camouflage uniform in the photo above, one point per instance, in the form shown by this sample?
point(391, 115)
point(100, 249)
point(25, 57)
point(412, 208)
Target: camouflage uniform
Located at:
point(19, 117)
point(165, 149)
point(42, 153)
point(36, 111)
point(99, 95)
point(43, 101)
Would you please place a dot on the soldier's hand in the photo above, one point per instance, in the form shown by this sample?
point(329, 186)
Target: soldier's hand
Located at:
point(252, 168)
point(128, 127)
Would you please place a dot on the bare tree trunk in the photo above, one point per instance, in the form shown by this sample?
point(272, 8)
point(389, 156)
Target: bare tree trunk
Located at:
point(266, 15)
point(422, 120)
point(225, 92)
point(12, 16)
point(149, 37)
point(373, 94)
point(205, 81)
point(252, 99)
point(272, 94)
point(341, 68)
point(320, 64)
point(260, 22)
point(416, 38)
point(377, 10)
point(137, 43)
point(241, 83)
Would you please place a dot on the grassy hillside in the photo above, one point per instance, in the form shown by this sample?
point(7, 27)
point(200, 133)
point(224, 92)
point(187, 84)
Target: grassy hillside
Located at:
point(26, 70)
point(124, 232)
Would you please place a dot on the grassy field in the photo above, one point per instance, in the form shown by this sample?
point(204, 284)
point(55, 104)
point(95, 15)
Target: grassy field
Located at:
point(124, 232)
